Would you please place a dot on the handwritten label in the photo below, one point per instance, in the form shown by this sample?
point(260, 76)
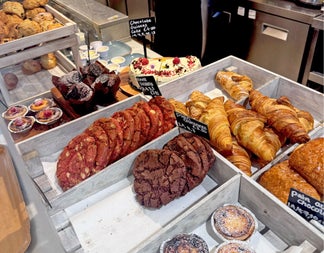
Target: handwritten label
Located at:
point(149, 86)
point(142, 26)
point(306, 206)
point(192, 125)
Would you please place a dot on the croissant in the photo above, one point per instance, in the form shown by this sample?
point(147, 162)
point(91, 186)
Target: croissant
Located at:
point(179, 106)
point(248, 128)
point(305, 118)
point(240, 158)
point(197, 103)
point(236, 85)
point(215, 117)
point(282, 117)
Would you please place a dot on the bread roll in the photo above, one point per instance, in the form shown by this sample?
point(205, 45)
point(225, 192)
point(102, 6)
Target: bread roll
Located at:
point(280, 178)
point(48, 61)
point(30, 67)
point(308, 160)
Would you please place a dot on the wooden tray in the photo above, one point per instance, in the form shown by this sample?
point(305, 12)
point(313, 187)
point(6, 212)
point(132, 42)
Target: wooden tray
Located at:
point(15, 225)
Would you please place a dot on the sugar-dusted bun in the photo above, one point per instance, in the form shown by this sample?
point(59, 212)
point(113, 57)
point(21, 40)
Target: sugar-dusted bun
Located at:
point(308, 161)
point(48, 61)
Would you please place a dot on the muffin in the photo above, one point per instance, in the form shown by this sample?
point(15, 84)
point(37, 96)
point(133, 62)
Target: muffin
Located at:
point(234, 247)
point(183, 243)
point(233, 222)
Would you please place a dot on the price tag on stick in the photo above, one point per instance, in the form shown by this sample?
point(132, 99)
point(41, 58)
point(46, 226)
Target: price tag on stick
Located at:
point(192, 125)
point(142, 27)
point(149, 86)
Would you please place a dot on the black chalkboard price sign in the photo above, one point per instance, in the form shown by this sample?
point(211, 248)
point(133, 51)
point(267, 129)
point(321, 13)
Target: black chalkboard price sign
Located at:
point(142, 26)
point(306, 206)
point(192, 125)
point(149, 86)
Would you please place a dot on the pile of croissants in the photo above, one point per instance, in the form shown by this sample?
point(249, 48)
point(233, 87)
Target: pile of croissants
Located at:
point(244, 134)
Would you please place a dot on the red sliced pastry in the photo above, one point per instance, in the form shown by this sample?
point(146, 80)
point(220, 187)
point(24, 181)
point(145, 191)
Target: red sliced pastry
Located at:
point(153, 116)
point(115, 133)
point(137, 131)
point(168, 112)
point(145, 124)
point(126, 122)
point(102, 140)
point(161, 120)
point(76, 161)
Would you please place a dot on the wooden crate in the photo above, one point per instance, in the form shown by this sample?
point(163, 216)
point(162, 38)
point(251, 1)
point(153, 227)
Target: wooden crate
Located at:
point(278, 224)
point(33, 46)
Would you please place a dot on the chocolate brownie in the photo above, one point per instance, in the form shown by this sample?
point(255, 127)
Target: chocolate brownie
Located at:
point(159, 177)
point(76, 161)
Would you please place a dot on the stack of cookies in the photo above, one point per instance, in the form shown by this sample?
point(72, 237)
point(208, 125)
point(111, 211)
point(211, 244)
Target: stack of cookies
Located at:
point(162, 175)
point(109, 139)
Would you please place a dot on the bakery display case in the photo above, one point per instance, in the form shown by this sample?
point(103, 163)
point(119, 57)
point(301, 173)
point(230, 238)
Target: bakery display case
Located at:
point(79, 214)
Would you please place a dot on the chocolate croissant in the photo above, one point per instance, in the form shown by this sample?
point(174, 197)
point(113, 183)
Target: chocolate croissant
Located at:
point(280, 116)
point(236, 85)
point(248, 128)
point(215, 117)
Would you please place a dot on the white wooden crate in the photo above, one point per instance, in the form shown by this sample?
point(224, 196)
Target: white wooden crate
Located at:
point(30, 47)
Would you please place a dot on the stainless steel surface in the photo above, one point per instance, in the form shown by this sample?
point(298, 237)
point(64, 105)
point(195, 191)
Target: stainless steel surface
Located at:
point(286, 9)
point(278, 44)
point(101, 22)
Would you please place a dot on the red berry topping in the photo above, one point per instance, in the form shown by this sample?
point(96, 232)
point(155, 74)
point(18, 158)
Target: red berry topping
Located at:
point(145, 61)
point(176, 60)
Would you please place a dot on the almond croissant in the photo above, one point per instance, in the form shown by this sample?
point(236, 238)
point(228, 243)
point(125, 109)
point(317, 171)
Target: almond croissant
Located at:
point(280, 116)
point(236, 85)
point(197, 103)
point(248, 128)
point(215, 117)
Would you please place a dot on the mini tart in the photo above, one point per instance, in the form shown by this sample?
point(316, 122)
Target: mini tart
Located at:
point(234, 247)
point(183, 243)
point(233, 222)
point(40, 104)
point(21, 124)
point(48, 116)
point(15, 111)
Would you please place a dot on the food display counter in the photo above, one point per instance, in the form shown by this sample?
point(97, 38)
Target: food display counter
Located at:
point(101, 213)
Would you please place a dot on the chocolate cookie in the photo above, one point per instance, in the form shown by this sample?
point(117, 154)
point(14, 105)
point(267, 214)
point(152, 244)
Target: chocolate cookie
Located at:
point(203, 148)
point(76, 161)
point(159, 177)
point(168, 112)
point(103, 153)
point(196, 171)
